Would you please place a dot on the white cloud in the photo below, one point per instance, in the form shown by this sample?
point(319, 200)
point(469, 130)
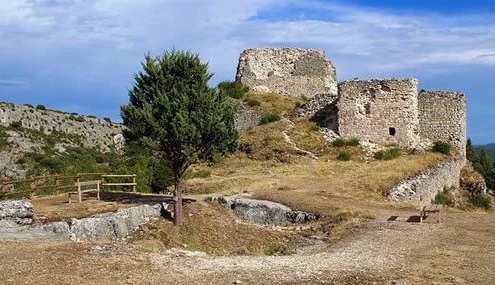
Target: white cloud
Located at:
point(8, 82)
point(93, 39)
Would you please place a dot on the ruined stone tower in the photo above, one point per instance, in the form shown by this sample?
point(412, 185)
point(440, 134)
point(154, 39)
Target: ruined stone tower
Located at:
point(381, 111)
point(287, 71)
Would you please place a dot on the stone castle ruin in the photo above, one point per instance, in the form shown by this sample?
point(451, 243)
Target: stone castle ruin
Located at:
point(384, 111)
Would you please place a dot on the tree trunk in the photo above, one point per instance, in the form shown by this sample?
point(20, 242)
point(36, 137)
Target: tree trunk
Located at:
point(178, 202)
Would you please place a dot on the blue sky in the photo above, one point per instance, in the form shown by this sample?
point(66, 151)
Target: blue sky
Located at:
point(80, 56)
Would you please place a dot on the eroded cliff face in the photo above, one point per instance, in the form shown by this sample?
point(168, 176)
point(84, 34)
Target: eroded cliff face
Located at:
point(287, 71)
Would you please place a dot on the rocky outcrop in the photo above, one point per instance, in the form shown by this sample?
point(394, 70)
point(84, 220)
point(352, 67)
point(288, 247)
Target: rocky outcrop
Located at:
point(106, 226)
point(472, 181)
point(425, 185)
point(92, 132)
point(246, 118)
point(17, 212)
point(287, 71)
point(264, 212)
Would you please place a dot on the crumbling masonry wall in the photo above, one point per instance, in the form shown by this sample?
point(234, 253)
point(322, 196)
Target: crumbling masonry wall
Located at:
point(380, 111)
point(442, 116)
point(287, 71)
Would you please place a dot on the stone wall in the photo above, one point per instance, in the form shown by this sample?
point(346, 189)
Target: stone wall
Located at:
point(287, 71)
point(442, 116)
point(424, 186)
point(322, 109)
point(380, 111)
point(93, 132)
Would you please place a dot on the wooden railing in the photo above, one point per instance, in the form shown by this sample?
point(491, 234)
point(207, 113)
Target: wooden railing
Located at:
point(57, 184)
point(107, 180)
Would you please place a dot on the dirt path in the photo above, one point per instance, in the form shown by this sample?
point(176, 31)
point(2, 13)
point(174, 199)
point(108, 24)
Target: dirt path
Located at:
point(459, 251)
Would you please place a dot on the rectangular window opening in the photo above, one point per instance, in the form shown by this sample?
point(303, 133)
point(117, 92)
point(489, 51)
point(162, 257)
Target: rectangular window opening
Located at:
point(391, 131)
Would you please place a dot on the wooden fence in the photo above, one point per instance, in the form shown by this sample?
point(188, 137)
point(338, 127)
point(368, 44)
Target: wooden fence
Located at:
point(57, 184)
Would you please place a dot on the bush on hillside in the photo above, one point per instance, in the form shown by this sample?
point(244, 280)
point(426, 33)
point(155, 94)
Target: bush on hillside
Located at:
point(40, 107)
point(444, 198)
point(388, 154)
point(481, 201)
point(16, 124)
point(344, 156)
point(340, 142)
point(232, 89)
point(442, 147)
point(253, 102)
point(269, 118)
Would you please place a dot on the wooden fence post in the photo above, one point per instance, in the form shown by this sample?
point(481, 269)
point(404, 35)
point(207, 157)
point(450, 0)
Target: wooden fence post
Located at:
point(134, 183)
point(79, 189)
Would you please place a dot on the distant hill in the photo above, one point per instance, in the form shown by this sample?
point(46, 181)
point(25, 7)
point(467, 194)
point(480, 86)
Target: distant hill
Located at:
point(490, 148)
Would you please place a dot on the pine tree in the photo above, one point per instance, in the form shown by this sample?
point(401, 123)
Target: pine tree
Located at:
point(172, 109)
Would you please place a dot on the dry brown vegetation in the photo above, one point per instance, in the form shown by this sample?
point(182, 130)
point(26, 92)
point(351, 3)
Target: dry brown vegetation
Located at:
point(215, 230)
point(274, 103)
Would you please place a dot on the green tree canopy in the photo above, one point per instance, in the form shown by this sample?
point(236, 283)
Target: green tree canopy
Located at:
point(173, 111)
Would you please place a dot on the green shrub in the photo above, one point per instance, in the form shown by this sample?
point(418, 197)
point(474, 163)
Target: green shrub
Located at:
point(481, 201)
point(442, 147)
point(91, 116)
point(388, 154)
point(269, 118)
point(16, 124)
point(40, 107)
point(344, 156)
point(338, 142)
point(444, 198)
point(107, 120)
point(202, 173)
point(253, 102)
point(79, 119)
point(352, 142)
point(232, 89)
point(4, 143)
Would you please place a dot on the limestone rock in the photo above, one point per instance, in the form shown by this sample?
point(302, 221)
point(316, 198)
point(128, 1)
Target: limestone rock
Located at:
point(287, 71)
point(18, 211)
point(264, 212)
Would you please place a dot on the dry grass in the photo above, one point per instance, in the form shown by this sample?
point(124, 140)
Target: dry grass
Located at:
point(344, 179)
point(212, 229)
point(267, 142)
point(274, 103)
point(57, 208)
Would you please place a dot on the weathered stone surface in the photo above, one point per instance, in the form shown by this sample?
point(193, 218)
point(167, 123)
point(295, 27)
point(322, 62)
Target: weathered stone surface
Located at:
point(10, 230)
point(113, 225)
point(18, 211)
point(106, 226)
point(472, 181)
point(264, 212)
point(246, 118)
point(380, 111)
point(442, 117)
point(287, 71)
point(323, 110)
point(424, 186)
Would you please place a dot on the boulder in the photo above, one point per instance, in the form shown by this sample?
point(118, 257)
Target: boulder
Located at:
point(264, 212)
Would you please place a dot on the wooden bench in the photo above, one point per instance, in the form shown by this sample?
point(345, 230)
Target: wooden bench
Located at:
point(432, 208)
point(79, 186)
